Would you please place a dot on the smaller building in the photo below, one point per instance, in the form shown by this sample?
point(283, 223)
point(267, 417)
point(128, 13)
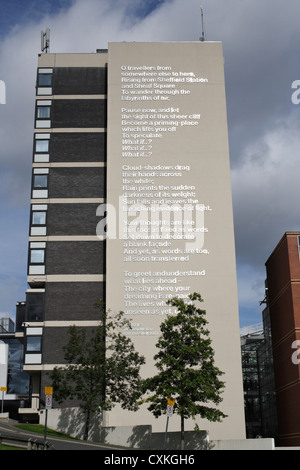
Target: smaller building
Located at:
point(16, 380)
point(283, 300)
point(6, 325)
point(258, 380)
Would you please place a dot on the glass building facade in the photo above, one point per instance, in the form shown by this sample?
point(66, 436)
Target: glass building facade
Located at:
point(18, 381)
point(258, 379)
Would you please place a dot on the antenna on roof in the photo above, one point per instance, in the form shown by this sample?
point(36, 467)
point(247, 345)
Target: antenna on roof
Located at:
point(45, 40)
point(202, 23)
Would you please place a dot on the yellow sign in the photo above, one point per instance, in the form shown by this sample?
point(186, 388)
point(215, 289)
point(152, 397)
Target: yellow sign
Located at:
point(3, 389)
point(48, 390)
point(171, 401)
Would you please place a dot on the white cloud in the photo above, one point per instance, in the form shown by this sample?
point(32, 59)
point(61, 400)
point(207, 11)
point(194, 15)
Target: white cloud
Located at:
point(261, 62)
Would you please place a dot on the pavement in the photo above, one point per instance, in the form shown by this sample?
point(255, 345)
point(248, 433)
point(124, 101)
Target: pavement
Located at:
point(8, 428)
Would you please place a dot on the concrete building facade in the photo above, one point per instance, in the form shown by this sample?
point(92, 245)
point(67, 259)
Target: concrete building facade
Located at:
point(131, 202)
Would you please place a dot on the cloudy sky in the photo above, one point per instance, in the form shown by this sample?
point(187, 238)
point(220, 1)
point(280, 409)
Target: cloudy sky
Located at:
point(261, 42)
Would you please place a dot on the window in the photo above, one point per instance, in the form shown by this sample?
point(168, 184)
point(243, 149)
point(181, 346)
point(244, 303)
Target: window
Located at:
point(37, 252)
point(42, 145)
point(44, 79)
point(41, 148)
point(37, 256)
point(43, 112)
point(40, 181)
point(34, 344)
point(39, 218)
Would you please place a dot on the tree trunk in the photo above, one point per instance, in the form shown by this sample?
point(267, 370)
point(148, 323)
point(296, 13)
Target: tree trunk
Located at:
point(182, 434)
point(87, 425)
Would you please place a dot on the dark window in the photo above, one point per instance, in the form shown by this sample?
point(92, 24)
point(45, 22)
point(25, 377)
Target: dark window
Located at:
point(40, 181)
point(34, 343)
point(44, 79)
point(43, 112)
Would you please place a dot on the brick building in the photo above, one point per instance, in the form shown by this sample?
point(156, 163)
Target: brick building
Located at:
point(283, 284)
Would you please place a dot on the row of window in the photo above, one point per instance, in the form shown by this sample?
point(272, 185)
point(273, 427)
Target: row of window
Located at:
point(40, 180)
point(41, 150)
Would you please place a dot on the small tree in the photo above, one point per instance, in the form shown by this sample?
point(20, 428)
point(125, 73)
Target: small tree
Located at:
point(185, 362)
point(101, 370)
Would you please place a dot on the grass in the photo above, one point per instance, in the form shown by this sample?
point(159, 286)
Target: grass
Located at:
point(35, 428)
point(40, 429)
point(4, 447)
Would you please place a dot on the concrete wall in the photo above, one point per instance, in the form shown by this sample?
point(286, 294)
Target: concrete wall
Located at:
point(243, 444)
point(71, 421)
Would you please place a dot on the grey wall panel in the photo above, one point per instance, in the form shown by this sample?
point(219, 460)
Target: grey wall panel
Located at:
point(54, 339)
point(75, 257)
point(77, 182)
point(73, 300)
point(78, 113)
point(78, 147)
point(79, 80)
point(72, 219)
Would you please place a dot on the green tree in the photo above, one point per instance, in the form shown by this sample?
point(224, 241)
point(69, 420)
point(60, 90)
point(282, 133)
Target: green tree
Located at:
point(185, 363)
point(101, 370)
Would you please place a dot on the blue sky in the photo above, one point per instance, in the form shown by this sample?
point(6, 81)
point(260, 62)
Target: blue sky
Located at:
point(17, 13)
point(261, 42)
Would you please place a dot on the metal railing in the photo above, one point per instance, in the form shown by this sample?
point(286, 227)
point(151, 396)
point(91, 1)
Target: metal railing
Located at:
point(30, 443)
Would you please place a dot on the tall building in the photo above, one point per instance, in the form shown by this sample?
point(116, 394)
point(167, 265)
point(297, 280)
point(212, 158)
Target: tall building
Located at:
point(131, 202)
point(66, 262)
point(283, 293)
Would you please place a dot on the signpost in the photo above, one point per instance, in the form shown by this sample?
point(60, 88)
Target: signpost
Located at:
point(3, 390)
point(48, 406)
point(170, 409)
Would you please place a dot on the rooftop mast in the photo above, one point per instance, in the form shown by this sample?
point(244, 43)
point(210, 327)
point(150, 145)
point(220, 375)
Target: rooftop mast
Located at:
point(45, 40)
point(202, 39)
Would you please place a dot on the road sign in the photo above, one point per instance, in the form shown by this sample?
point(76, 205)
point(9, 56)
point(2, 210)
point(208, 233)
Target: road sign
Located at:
point(48, 402)
point(3, 389)
point(48, 390)
point(170, 409)
point(171, 401)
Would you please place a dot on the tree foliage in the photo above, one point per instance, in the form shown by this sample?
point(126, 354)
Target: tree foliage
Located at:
point(101, 370)
point(186, 368)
